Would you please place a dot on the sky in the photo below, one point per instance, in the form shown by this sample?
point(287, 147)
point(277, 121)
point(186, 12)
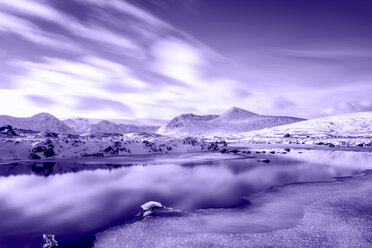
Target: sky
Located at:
point(156, 59)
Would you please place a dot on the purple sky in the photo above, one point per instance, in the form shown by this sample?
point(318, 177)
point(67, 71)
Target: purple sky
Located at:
point(161, 58)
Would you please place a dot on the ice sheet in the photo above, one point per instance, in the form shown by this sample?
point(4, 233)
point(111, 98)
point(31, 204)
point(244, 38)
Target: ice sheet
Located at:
point(324, 214)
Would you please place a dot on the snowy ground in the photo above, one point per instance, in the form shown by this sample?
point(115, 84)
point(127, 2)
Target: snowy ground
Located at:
point(41, 145)
point(322, 214)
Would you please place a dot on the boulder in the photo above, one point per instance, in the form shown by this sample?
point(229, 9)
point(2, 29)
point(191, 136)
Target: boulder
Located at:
point(49, 153)
point(34, 156)
point(8, 131)
point(263, 160)
point(154, 208)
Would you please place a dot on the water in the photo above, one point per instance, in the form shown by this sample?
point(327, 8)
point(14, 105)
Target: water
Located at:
point(76, 199)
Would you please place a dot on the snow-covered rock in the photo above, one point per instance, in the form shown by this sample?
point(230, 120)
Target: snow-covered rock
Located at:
point(154, 208)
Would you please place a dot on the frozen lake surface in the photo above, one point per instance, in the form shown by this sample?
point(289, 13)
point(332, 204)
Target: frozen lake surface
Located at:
point(77, 199)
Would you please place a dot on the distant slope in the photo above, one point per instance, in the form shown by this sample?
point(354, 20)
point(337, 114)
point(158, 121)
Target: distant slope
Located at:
point(187, 123)
point(80, 125)
point(110, 127)
point(235, 120)
point(345, 125)
point(39, 122)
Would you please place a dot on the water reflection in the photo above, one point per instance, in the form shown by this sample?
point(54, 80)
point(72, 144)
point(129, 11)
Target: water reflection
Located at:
point(49, 198)
point(46, 169)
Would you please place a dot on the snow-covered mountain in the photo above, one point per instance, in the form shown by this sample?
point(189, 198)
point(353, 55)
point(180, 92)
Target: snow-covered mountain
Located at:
point(235, 120)
point(38, 122)
point(337, 126)
point(80, 125)
point(110, 127)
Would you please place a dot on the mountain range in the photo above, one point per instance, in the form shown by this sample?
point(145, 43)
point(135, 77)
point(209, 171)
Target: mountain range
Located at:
point(48, 123)
point(39, 122)
point(234, 120)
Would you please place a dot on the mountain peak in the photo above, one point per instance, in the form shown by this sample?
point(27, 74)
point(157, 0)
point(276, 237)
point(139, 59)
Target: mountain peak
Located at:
point(43, 115)
point(235, 112)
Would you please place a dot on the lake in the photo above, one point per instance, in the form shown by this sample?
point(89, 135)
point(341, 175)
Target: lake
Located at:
point(75, 199)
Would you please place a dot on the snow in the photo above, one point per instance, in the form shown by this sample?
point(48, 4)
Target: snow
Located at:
point(233, 121)
point(151, 204)
point(39, 122)
point(41, 145)
point(340, 130)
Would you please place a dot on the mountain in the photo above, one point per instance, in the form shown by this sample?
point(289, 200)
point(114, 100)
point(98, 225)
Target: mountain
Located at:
point(39, 122)
point(235, 120)
point(345, 125)
point(80, 125)
point(186, 123)
point(110, 127)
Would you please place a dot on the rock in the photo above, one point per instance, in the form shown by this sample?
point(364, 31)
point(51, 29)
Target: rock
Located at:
point(50, 241)
point(111, 150)
point(287, 135)
point(190, 141)
point(151, 205)
point(34, 156)
point(224, 150)
point(49, 153)
point(213, 146)
point(272, 152)
point(39, 149)
point(263, 160)
point(234, 151)
point(154, 208)
point(8, 131)
point(287, 149)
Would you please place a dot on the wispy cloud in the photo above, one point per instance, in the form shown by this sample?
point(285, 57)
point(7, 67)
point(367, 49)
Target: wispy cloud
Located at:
point(31, 32)
point(349, 107)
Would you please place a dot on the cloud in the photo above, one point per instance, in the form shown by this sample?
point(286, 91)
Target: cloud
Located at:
point(329, 53)
point(132, 10)
point(179, 60)
point(283, 103)
point(31, 32)
point(34, 8)
point(40, 101)
point(349, 107)
point(41, 10)
point(93, 103)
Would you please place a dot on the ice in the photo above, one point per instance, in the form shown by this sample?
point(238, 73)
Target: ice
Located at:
point(50, 241)
point(323, 214)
